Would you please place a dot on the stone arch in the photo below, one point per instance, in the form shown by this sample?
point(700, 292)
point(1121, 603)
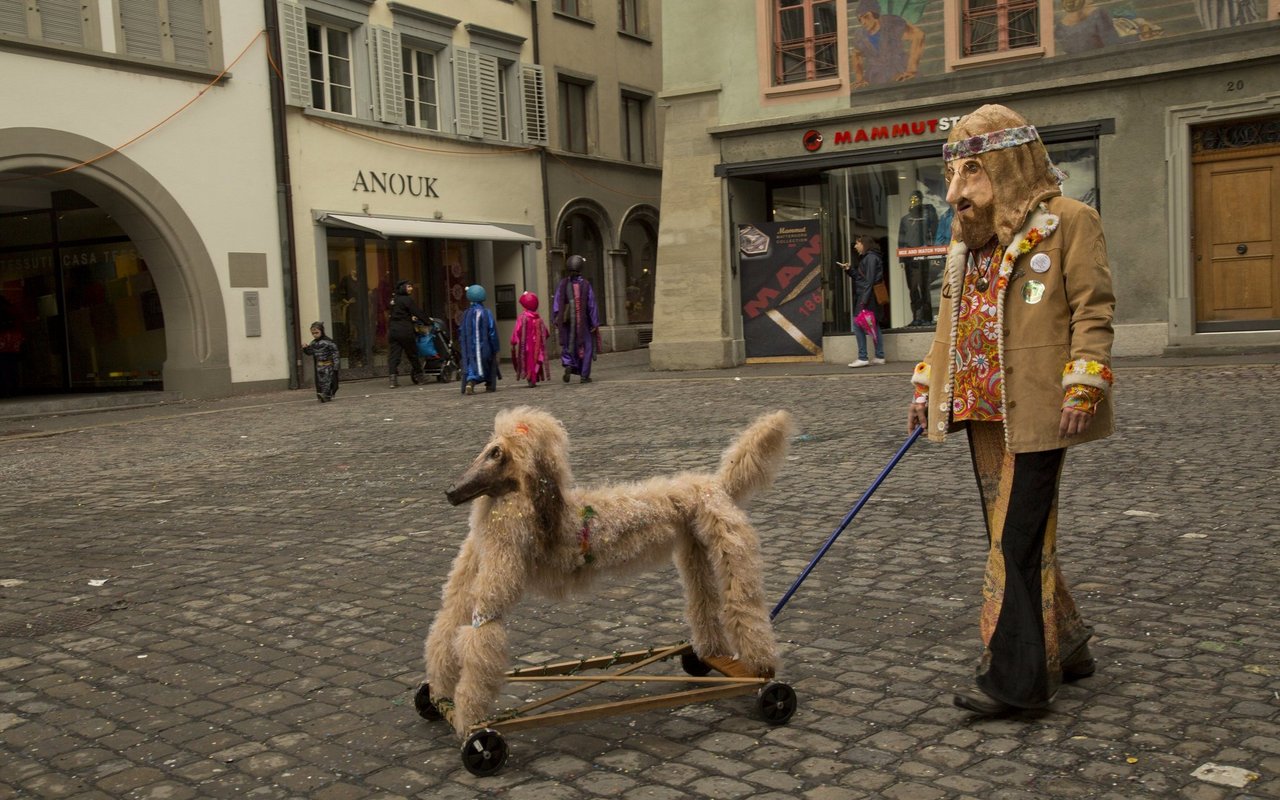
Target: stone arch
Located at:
point(637, 262)
point(197, 362)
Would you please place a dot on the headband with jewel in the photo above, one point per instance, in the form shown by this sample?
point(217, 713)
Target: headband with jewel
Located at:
point(997, 140)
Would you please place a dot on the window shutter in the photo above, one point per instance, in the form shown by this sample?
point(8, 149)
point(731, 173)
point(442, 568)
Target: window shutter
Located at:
point(61, 21)
point(293, 52)
point(140, 27)
point(533, 95)
point(189, 32)
point(490, 74)
point(13, 18)
point(466, 89)
point(387, 71)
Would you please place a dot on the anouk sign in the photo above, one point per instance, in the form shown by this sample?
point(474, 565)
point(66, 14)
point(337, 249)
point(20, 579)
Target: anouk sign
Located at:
point(394, 183)
point(813, 139)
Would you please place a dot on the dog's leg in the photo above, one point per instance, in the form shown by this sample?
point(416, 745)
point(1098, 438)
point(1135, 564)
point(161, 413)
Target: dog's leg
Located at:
point(439, 651)
point(734, 549)
point(701, 596)
point(484, 655)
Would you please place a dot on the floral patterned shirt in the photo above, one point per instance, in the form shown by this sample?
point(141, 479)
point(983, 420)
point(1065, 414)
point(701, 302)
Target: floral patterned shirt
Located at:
point(977, 369)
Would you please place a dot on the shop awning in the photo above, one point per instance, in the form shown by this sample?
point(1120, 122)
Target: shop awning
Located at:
point(396, 228)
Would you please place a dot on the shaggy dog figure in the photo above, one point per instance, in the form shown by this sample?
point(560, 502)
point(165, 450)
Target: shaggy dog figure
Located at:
point(532, 529)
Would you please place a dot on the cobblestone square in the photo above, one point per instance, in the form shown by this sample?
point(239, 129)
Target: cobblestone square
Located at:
point(228, 598)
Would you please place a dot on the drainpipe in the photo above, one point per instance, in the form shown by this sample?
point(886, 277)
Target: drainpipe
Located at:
point(542, 162)
point(284, 195)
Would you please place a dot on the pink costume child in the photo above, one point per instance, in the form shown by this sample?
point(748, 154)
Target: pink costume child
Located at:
point(529, 342)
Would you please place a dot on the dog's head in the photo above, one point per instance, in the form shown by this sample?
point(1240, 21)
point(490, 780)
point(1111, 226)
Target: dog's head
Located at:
point(527, 452)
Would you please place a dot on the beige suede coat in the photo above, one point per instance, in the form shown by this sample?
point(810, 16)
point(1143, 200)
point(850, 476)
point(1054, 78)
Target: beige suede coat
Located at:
point(1051, 313)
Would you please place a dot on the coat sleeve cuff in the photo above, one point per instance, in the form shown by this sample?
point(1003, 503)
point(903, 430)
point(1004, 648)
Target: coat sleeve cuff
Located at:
point(920, 383)
point(1087, 373)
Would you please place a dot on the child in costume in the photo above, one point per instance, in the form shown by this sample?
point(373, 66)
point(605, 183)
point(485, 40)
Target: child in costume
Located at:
point(325, 352)
point(479, 344)
point(529, 343)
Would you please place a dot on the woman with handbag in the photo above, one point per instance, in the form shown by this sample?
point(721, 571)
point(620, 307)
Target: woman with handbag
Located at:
point(866, 274)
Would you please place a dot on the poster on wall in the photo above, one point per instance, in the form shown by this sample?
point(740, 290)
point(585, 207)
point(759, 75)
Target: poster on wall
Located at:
point(780, 269)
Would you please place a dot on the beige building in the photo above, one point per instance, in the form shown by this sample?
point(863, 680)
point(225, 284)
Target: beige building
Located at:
point(139, 234)
point(1164, 113)
point(451, 143)
point(603, 68)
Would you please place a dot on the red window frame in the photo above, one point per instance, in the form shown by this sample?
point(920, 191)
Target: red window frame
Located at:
point(806, 48)
point(994, 17)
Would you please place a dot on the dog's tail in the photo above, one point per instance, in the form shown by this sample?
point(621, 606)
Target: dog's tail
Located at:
point(751, 462)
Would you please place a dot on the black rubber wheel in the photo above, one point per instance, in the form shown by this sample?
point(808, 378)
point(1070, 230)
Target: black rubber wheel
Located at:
point(441, 377)
point(694, 665)
point(484, 752)
point(422, 702)
point(776, 702)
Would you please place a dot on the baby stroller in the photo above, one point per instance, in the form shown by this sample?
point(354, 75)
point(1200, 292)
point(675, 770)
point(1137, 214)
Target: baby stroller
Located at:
point(435, 347)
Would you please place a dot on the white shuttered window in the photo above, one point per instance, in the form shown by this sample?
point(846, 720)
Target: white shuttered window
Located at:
point(70, 22)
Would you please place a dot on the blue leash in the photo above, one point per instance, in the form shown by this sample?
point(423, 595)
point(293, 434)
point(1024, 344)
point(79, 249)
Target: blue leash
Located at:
point(915, 434)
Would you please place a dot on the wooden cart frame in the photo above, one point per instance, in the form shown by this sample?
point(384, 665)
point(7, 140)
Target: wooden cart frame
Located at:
point(485, 748)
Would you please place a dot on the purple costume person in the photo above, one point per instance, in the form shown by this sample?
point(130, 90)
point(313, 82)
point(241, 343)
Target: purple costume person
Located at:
point(577, 318)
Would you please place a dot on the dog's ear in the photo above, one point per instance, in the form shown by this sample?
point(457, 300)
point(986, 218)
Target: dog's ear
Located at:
point(546, 495)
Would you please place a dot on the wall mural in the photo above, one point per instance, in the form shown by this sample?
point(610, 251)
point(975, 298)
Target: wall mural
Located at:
point(891, 41)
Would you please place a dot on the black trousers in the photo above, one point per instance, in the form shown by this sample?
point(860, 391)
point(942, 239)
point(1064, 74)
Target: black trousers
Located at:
point(918, 286)
point(1029, 619)
point(402, 344)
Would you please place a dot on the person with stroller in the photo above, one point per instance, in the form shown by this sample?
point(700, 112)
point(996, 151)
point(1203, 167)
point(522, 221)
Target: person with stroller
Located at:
point(478, 340)
point(404, 315)
point(529, 343)
point(866, 273)
point(325, 353)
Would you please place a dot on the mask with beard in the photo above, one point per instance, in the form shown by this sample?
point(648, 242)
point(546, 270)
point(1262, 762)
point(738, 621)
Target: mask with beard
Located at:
point(1018, 166)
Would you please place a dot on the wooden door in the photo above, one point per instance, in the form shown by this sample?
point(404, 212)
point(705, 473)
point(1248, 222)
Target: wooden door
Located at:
point(1236, 224)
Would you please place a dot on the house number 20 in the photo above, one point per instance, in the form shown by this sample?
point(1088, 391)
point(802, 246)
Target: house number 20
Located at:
point(1235, 86)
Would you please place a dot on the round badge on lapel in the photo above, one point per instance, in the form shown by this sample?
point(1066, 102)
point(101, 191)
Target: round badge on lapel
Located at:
point(1040, 262)
point(1032, 291)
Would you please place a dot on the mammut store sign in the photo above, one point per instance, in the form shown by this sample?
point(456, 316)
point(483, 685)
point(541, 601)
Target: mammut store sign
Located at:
point(813, 139)
point(394, 183)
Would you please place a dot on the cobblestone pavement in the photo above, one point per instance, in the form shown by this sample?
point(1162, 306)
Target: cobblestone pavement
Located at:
point(228, 598)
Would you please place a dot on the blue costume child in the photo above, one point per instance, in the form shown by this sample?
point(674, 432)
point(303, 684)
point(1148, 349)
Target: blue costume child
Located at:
point(479, 344)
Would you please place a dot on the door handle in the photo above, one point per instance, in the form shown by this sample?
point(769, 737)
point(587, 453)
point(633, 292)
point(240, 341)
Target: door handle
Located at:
point(1242, 248)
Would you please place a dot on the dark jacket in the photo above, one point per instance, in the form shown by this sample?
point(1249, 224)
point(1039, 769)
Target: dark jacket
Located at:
point(404, 311)
point(866, 272)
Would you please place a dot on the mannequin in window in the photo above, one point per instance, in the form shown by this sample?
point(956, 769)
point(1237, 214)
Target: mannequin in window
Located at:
point(918, 228)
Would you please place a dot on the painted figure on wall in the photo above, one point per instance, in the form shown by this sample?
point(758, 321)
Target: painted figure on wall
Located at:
point(885, 48)
point(1083, 27)
point(1215, 14)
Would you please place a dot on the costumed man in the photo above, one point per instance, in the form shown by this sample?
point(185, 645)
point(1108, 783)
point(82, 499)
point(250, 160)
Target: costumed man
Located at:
point(402, 339)
point(325, 353)
point(577, 318)
point(917, 228)
point(479, 344)
point(1021, 359)
point(529, 343)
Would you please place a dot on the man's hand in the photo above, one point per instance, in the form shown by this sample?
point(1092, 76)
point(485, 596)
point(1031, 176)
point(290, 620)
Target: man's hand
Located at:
point(917, 417)
point(1073, 422)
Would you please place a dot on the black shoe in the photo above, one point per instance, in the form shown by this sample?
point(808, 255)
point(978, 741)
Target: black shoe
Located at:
point(1081, 665)
point(566, 375)
point(981, 703)
point(416, 377)
point(585, 379)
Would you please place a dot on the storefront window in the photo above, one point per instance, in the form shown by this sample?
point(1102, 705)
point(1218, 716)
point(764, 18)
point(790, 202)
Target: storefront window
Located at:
point(363, 273)
point(902, 204)
point(78, 308)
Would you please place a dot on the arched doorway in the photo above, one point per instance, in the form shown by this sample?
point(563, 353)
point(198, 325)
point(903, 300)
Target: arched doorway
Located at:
point(579, 234)
point(102, 269)
point(638, 264)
